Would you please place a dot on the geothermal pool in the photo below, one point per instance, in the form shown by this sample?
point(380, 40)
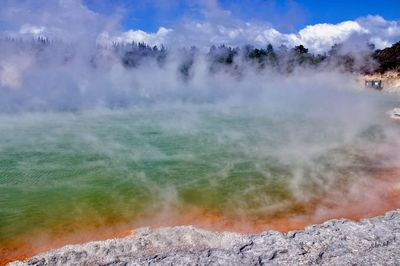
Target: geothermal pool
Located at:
point(67, 177)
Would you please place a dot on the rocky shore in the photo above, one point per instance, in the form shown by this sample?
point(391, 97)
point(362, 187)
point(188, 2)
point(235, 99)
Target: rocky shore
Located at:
point(374, 241)
point(390, 79)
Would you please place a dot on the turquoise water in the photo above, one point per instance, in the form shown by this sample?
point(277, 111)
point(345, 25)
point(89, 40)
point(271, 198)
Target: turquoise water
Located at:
point(60, 172)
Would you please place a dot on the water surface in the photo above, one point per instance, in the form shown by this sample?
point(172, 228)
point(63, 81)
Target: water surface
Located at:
point(67, 177)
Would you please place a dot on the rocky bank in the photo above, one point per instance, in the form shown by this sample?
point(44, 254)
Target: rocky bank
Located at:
point(374, 241)
point(391, 80)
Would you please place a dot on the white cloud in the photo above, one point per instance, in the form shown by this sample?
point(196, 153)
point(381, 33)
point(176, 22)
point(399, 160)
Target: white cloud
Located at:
point(381, 32)
point(59, 19)
point(30, 29)
point(156, 38)
point(318, 37)
point(71, 20)
point(321, 37)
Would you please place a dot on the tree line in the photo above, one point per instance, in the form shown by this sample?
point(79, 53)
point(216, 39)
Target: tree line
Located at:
point(225, 58)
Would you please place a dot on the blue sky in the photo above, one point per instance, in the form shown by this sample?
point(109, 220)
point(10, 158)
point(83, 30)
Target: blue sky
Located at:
point(286, 16)
point(207, 22)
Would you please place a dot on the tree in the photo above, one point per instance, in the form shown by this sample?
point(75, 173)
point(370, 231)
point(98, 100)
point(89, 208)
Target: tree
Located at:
point(300, 49)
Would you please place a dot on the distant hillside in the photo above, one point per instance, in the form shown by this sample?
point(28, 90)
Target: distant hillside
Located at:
point(388, 58)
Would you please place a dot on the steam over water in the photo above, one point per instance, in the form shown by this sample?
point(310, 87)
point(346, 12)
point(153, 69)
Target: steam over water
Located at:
point(99, 138)
point(224, 166)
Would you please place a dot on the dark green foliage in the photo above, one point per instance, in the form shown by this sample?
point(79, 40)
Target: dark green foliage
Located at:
point(262, 57)
point(224, 58)
point(185, 68)
point(133, 53)
point(222, 54)
point(300, 50)
point(359, 62)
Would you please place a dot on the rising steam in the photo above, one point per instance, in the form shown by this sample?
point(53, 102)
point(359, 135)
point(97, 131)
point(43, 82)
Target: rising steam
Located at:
point(98, 134)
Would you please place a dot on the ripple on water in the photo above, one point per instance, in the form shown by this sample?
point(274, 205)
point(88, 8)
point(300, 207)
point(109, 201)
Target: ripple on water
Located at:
point(68, 174)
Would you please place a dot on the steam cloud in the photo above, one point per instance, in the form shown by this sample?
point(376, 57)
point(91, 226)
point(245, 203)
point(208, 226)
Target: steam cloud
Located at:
point(79, 69)
point(321, 120)
point(75, 67)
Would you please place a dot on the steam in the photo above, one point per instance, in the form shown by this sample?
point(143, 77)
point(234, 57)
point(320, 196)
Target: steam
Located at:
point(173, 132)
point(75, 66)
point(45, 75)
point(72, 70)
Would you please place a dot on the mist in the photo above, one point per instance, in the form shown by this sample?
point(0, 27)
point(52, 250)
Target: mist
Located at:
point(97, 135)
point(42, 75)
point(310, 110)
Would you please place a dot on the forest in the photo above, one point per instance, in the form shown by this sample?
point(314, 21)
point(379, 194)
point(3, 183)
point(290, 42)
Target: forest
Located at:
point(232, 60)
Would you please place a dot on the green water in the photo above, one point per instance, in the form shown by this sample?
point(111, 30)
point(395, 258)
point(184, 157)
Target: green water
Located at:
point(102, 166)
